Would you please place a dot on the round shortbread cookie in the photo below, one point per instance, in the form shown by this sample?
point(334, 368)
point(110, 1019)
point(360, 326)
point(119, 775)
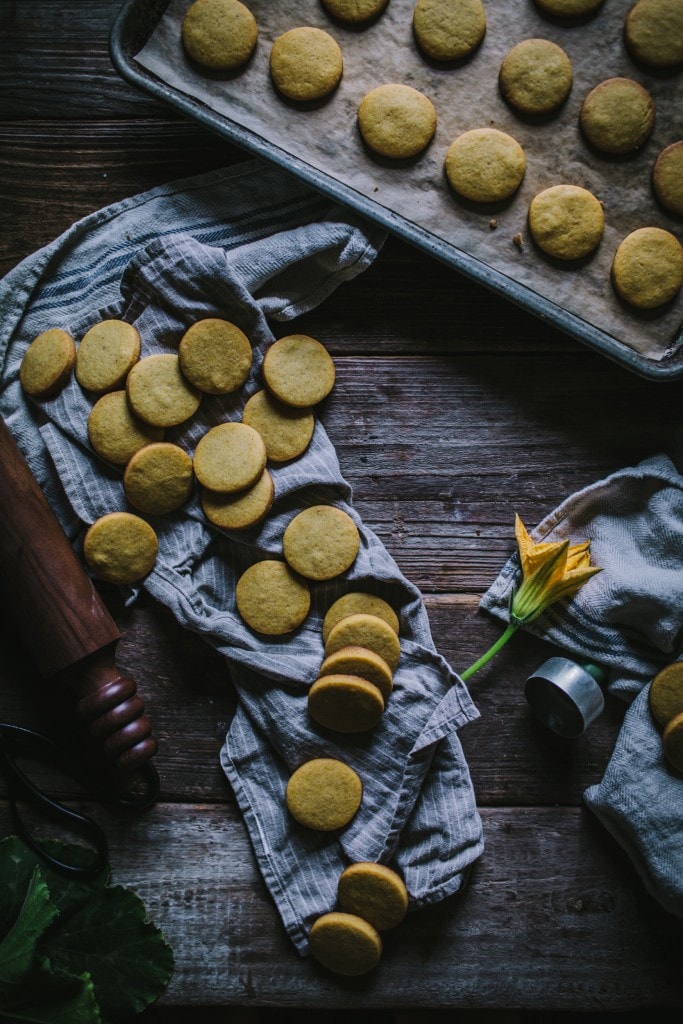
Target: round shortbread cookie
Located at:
point(159, 394)
point(667, 178)
point(354, 12)
point(535, 77)
point(666, 693)
point(360, 661)
point(47, 363)
point(240, 511)
point(566, 221)
point(306, 64)
point(648, 268)
point(569, 8)
point(215, 356)
point(286, 431)
point(298, 371)
point(345, 703)
point(158, 478)
point(449, 30)
point(358, 601)
point(321, 542)
point(271, 598)
point(485, 165)
point(120, 548)
point(617, 116)
point(229, 458)
point(369, 631)
point(672, 742)
point(324, 794)
point(345, 943)
point(115, 432)
point(106, 354)
point(219, 35)
point(653, 32)
point(396, 121)
point(375, 893)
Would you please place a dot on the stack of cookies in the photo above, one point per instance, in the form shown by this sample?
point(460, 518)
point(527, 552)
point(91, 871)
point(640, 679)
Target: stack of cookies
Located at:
point(666, 704)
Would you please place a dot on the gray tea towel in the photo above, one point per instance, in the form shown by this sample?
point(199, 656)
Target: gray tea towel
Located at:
point(629, 619)
point(246, 244)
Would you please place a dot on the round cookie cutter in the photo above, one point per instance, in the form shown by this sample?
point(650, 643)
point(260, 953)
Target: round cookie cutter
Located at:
point(565, 696)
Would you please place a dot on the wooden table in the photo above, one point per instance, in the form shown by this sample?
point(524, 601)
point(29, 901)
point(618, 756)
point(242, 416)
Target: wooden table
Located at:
point(453, 410)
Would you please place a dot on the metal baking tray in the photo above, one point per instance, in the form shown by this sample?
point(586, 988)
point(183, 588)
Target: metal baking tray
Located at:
point(137, 21)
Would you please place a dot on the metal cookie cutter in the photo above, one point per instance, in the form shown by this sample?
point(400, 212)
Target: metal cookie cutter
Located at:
point(565, 696)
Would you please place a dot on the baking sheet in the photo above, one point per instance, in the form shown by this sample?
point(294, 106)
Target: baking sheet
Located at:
point(326, 139)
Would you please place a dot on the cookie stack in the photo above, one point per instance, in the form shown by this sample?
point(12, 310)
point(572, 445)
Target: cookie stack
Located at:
point(666, 704)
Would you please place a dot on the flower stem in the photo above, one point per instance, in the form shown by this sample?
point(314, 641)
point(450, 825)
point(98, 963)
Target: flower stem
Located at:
point(490, 653)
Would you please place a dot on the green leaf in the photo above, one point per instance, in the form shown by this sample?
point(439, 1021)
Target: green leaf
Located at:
point(47, 998)
point(18, 947)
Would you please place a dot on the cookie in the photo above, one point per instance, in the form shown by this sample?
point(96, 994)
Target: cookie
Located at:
point(271, 598)
point(375, 893)
point(448, 30)
point(243, 510)
point(354, 12)
point(286, 431)
point(360, 661)
point(358, 601)
point(667, 178)
point(115, 432)
point(298, 371)
point(229, 458)
point(120, 548)
point(396, 121)
point(306, 64)
point(345, 703)
point(617, 116)
point(569, 8)
point(158, 478)
point(535, 77)
point(362, 630)
point(324, 794)
point(653, 32)
point(159, 394)
point(485, 165)
point(219, 35)
point(672, 742)
point(666, 693)
point(47, 363)
point(566, 221)
point(321, 542)
point(345, 943)
point(106, 354)
point(648, 268)
point(215, 356)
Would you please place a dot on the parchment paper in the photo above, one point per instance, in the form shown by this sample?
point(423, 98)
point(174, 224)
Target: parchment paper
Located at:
point(327, 139)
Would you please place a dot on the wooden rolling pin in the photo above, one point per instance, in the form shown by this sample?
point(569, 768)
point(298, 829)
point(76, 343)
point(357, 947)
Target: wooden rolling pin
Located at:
point(62, 619)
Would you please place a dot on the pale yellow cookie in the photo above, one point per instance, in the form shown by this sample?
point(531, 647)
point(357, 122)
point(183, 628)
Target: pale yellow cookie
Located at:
point(229, 458)
point(369, 631)
point(298, 370)
point(158, 392)
point(345, 943)
point(617, 116)
point(243, 510)
point(360, 661)
point(219, 35)
point(569, 8)
point(324, 794)
point(321, 542)
point(354, 12)
point(306, 64)
point(345, 703)
point(158, 478)
point(648, 268)
point(271, 598)
point(396, 120)
point(653, 31)
point(566, 221)
point(120, 548)
point(485, 165)
point(667, 178)
point(106, 354)
point(672, 742)
point(666, 693)
point(535, 77)
point(358, 601)
point(47, 363)
point(115, 432)
point(286, 430)
point(448, 30)
point(215, 356)
point(375, 893)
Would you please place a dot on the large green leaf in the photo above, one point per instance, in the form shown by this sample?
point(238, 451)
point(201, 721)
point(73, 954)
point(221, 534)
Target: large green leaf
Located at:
point(18, 947)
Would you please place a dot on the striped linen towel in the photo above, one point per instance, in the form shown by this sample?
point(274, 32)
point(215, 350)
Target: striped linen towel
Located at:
point(246, 244)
